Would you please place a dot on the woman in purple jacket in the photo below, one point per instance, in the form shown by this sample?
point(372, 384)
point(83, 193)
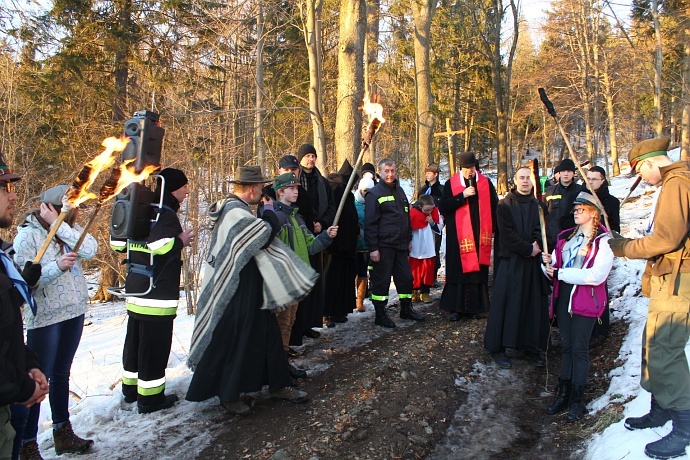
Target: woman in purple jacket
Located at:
point(578, 267)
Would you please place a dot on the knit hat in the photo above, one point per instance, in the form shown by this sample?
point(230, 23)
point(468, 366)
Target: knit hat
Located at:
point(368, 167)
point(174, 179)
point(566, 165)
point(647, 149)
point(305, 149)
point(285, 180)
point(467, 160)
point(288, 162)
point(53, 195)
point(366, 183)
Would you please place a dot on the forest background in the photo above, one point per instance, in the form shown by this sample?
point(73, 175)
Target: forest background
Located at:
point(246, 82)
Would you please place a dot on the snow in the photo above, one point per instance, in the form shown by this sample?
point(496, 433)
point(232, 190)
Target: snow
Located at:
point(99, 412)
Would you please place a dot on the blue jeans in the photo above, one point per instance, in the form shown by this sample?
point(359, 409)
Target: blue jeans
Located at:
point(55, 346)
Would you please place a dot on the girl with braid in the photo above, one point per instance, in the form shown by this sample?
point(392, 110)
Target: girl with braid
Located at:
point(579, 266)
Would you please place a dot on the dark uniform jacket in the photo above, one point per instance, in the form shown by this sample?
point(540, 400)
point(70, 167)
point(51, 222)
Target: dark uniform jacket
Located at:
point(16, 359)
point(559, 204)
point(387, 217)
point(166, 247)
point(436, 191)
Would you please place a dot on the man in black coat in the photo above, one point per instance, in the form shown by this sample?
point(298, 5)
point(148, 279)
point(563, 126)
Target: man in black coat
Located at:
point(559, 200)
point(518, 317)
point(21, 380)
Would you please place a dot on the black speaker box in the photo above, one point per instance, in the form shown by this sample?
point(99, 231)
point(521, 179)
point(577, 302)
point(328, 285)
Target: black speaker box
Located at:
point(132, 211)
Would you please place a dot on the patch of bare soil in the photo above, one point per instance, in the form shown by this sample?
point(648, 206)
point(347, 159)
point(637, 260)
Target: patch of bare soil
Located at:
point(428, 390)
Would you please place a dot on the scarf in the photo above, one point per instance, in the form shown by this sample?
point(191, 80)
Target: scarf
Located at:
point(18, 282)
point(469, 256)
point(320, 190)
point(237, 237)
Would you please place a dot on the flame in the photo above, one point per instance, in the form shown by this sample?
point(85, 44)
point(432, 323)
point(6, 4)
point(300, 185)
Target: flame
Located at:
point(79, 191)
point(373, 110)
point(122, 177)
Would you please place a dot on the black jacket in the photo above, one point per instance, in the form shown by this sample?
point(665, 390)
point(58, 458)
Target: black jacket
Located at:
point(559, 204)
point(612, 206)
point(436, 191)
point(387, 217)
point(16, 359)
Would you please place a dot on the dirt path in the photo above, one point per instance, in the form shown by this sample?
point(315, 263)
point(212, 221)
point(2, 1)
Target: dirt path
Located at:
point(427, 390)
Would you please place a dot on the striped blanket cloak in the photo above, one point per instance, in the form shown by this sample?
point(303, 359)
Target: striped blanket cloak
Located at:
point(237, 237)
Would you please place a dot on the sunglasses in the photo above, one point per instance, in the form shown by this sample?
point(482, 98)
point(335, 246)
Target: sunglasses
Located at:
point(9, 188)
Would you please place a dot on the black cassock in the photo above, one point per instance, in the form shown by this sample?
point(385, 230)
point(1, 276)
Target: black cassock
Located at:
point(519, 316)
point(466, 293)
point(246, 349)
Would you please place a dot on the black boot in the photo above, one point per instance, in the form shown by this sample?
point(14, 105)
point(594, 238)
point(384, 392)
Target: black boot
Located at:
point(561, 397)
point(382, 318)
point(673, 444)
point(407, 312)
point(655, 418)
point(576, 407)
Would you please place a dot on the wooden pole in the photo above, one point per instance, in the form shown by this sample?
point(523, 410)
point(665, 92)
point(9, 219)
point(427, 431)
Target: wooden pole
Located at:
point(632, 187)
point(552, 111)
point(451, 156)
point(86, 228)
point(49, 238)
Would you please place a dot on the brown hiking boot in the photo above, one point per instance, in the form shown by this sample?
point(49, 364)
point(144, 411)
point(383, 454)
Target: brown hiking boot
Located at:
point(290, 394)
point(29, 451)
point(68, 442)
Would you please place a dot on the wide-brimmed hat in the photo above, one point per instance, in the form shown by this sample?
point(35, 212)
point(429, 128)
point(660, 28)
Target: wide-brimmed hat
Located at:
point(588, 199)
point(249, 175)
point(6, 174)
point(647, 149)
point(467, 160)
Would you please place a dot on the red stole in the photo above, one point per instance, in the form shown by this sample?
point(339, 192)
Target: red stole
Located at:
point(463, 225)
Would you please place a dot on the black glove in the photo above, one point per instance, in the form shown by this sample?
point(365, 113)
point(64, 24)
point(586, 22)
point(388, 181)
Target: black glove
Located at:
point(31, 274)
point(618, 246)
point(615, 234)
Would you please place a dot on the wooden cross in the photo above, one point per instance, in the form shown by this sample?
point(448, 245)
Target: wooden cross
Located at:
point(466, 245)
point(449, 136)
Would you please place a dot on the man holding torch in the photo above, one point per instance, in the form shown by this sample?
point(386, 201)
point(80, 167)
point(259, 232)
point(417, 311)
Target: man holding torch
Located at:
point(150, 324)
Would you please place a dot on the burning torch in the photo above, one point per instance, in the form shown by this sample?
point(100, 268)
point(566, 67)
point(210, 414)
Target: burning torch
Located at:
point(375, 113)
point(79, 190)
point(552, 111)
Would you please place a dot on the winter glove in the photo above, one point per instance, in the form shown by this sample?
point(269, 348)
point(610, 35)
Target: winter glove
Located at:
point(615, 234)
point(618, 246)
point(31, 274)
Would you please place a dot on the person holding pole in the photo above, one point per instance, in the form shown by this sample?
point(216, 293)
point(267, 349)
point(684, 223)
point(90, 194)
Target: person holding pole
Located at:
point(519, 316)
point(21, 379)
point(387, 233)
point(666, 281)
point(559, 200)
point(54, 332)
point(468, 207)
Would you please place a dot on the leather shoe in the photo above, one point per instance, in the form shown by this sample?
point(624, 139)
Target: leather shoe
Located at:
point(501, 360)
point(237, 408)
point(536, 358)
point(454, 317)
point(328, 322)
point(312, 334)
point(290, 394)
point(292, 353)
point(168, 402)
point(296, 373)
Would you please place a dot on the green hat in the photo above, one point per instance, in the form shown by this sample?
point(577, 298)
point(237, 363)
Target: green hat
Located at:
point(647, 149)
point(285, 180)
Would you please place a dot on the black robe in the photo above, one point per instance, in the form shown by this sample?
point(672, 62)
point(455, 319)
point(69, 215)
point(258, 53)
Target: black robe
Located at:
point(339, 258)
point(519, 316)
point(246, 350)
point(464, 292)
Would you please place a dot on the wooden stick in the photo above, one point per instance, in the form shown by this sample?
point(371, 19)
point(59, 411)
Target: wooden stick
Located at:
point(49, 238)
point(632, 187)
point(366, 141)
point(86, 228)
point(552, 111)
point(451, 158)
point(542, 224)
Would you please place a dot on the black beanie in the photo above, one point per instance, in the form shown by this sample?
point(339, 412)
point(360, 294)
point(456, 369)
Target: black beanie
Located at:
point(174, 179)
point(368, 167)
point(305, 149)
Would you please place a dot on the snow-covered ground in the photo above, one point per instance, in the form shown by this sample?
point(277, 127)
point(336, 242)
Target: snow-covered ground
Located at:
point(98, 410)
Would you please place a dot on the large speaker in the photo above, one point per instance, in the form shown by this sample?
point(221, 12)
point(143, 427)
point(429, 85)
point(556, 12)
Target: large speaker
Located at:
point(146, 140)
point(132, 212)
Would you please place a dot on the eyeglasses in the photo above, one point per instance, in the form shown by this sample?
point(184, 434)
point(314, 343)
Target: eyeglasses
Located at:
point(9, 188)
point(578, 210)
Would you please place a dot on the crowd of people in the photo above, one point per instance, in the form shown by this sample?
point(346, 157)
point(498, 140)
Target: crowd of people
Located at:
point(280, 267)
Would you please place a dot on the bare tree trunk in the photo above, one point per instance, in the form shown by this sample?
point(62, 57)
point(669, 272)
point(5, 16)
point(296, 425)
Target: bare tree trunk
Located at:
point(122, 57)
point(611, 115)
point(259, 148)
point(348, 123)
point(423, 12)
point(685, 120)
point(372, 56)
point(658, 63)
point(311, 13)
